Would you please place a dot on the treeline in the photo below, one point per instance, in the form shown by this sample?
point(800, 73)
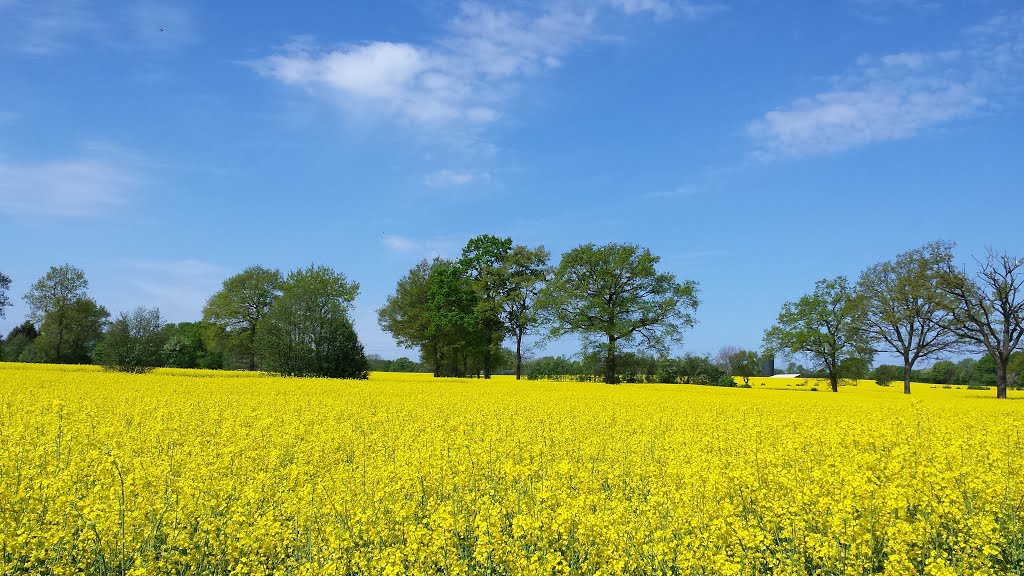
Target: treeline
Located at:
point(918, 306)
point(458, 312)
point(295, 324)
point(638, 368)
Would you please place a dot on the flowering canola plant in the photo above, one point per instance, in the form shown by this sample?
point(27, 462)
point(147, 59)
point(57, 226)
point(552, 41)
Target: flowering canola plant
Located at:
point(192, 472)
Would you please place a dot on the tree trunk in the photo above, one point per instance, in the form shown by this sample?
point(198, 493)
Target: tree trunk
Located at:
point(60, 336)
point(610, 377)
point(1001, 377)
point(487, 363)
point(437, 363)
point(833, 379)
point(519, 356)
point(906, 377)
point(252, 349)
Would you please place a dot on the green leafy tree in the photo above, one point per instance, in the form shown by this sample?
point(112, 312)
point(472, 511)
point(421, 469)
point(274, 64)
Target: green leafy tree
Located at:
point(75, 332)
point(964, 373)
point(185, 346)
point(942, 372)
point(985, 372)
point(406, 313)
point(907, 311)
point(613, 296)
point(19, 340)
point(454, 320)
point(1015, 370)
point(988, 310)
point(242, 302)
point(483, 261)
point(886, 374)
point(826, 326)
point(307, 331)
point(50, 301)
point(524, 272)
point(745, 364)
point(133, 343)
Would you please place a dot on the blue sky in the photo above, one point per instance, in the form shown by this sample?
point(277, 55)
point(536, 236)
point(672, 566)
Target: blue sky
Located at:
point(755, 146)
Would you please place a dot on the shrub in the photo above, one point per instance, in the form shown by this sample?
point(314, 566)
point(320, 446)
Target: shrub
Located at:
point(725, 381)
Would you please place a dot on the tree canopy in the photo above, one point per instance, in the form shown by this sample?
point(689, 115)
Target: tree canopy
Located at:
point(826, 326)
point(243, 300)
point(613, 296)
point(906, 310)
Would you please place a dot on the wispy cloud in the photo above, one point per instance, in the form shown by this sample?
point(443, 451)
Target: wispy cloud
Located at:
point(883, 10)
point(442, 246)
point(665, 9)
point(88, 184)
point(48, 27)
point(681, 192)
point(454, 178)
point(897, 96)
point(179, 288)
point(399, 243)
point(463, 77)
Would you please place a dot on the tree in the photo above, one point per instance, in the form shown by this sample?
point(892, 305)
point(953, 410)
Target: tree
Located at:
point(907, 312)
point(826, 326)
point(745, 364)
point(243, 300)
point(307, 331)
point(988, 311)
point(133, 343)
point(5, 300)
point(525, 271)
point(185, 346)
point(942, 372)
point(886, 374)
point(51, 297)
point(70, 335)
point(483, 261)
point(723, 358)
point(406, 314)
point(19, 339)
point(613, 296)
point(454, 324)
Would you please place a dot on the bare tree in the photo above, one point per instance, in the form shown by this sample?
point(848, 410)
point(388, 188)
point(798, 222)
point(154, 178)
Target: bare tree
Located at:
point(989, 311)
point(724, 357)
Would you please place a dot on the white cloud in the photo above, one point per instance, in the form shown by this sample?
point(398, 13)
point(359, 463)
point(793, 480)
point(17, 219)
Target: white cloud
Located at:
point(399, 243)
point(897, 96)
point(442, 246)
point(462, 77)
point(84, 185)
point(453, 178)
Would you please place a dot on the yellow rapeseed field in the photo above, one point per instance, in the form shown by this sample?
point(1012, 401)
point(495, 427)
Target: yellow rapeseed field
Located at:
point(189, 472)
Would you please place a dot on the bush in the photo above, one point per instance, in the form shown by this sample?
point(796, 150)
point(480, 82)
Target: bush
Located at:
point(133, 343)
point(725, 381)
